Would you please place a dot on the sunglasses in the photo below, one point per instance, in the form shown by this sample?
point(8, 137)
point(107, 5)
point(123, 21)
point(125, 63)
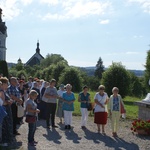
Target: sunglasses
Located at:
point(101, 89)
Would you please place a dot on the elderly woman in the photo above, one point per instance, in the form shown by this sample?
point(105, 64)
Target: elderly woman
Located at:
point(68, 106)
point(100, 111)
point(60, 112)
point(84, 99)
point(7, 124)
point(114, 107)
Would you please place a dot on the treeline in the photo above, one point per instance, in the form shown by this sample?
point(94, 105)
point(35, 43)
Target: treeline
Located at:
point(55, 66)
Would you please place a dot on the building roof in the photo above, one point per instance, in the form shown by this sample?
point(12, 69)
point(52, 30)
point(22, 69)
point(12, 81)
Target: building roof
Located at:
point(36, 58)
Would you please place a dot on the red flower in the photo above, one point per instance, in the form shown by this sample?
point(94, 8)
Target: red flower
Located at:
point(141, 124)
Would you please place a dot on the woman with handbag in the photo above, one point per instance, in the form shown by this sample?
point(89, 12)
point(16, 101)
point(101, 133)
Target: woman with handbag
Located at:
point(100, 110)
point(115, 107)
point(84, 99)
point(31, 116)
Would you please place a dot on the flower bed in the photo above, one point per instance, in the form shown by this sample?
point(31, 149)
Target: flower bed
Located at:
point(141, 127)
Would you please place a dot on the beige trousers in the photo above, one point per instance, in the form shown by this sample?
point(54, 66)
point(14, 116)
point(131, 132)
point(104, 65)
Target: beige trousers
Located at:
point(115, 120)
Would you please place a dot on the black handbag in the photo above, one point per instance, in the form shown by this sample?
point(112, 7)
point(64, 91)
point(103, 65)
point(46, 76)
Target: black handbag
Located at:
point(89, 106)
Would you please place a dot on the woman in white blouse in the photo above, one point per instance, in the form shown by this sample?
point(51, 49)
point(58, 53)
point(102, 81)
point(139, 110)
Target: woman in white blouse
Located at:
point(100, 111)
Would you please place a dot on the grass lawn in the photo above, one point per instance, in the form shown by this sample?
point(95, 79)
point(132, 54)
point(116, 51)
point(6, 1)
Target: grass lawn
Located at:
point(131, 108)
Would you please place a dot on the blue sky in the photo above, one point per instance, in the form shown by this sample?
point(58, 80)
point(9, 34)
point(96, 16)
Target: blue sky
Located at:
point(80, 30)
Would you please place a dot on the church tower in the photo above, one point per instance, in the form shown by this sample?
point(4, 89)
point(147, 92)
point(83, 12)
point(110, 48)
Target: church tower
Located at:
point(3, 35)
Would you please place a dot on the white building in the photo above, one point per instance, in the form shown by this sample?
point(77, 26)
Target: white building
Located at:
point(3, 35)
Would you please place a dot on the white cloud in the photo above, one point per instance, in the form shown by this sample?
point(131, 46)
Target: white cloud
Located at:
point(123, 53)
point(49, 2)
point(57, 9)
point(145, 4)
point(132, 53)
point(104, 21)
point(26, 2)
point(88, 8)
point(12, 8)
point(138, 36)
point(81, 8)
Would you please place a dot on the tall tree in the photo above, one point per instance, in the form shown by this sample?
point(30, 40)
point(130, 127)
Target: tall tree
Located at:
point(3, 68)
point(99, 68)
point(116, 76)
point(147, 71)
point(72, 75)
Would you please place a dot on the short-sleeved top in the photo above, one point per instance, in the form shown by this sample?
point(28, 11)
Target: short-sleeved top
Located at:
point(102, 100)
point(13, 90)
point(52, 91)
point(68, 97)
point(84, 98)
point(34, 107)
point(115, 104)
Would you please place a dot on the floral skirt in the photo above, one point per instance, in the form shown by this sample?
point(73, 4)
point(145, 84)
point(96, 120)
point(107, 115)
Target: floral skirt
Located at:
point(100, 117)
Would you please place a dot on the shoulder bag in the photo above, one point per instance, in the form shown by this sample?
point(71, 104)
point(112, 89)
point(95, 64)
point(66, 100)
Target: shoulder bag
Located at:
point(30, 119)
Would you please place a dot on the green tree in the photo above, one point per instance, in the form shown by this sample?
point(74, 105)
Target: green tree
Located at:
point(93, 83)
point(147, 71)
point(57, 70)
point(21, 74)
point(99, 69)
point(12, 72)
point(4, 68)
point(135, 86)
point(72, 75)
point(116, 76)
point(52, 59)
point(19, 66)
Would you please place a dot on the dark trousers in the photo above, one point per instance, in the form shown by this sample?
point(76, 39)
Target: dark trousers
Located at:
point(14, 116)
point(42, 108)
point(50, 113)
point(31, 132)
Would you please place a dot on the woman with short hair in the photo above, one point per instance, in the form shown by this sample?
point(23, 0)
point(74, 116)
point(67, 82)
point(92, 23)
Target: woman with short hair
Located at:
point(68, 106)
point(84, 99)
point(114, 107)
point(100, 111)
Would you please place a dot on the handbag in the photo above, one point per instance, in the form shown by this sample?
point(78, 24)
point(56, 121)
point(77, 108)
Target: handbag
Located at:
point(122, 110)
point(89, 106)
point(20, 111)
point(30, 119)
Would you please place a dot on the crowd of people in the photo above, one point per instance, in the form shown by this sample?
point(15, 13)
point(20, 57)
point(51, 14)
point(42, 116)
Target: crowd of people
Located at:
point(41, 100)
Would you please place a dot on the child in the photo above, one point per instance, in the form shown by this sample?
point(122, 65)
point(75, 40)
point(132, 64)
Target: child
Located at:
point(31, 109)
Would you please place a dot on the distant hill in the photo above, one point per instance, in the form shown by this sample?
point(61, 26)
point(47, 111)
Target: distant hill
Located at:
point(90, 71)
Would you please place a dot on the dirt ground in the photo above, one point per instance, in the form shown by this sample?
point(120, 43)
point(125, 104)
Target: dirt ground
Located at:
point(77, 139)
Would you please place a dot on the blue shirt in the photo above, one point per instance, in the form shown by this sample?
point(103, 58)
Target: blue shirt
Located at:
point(68, 97)
point(115, 104)
point(13, 90)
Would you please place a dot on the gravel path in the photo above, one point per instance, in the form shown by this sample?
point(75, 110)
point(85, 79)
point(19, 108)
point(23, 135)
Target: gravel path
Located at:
point(77, 139)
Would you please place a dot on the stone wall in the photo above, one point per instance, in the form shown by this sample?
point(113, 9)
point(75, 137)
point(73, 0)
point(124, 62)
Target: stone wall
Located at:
point(144, 110)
